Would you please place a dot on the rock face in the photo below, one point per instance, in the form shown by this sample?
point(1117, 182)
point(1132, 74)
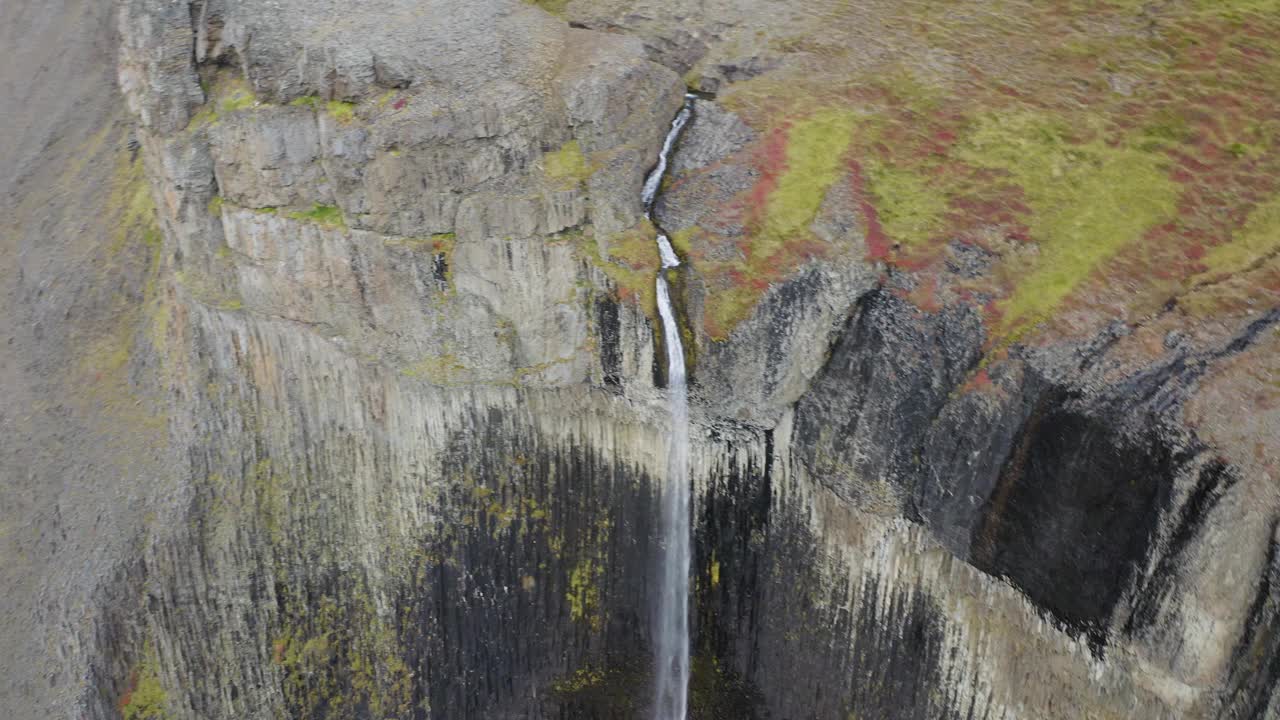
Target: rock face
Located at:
point(391, 314)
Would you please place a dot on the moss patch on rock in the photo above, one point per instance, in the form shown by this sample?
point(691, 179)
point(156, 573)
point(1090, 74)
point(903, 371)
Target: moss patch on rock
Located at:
point(342, 111)
point(601, 690)
point(799, 161)
point(567, 166)
point(443, 369)
point(327, 215)
point(339, 658)
point(145, 699)
point(555, 7)
point(136, 315)
point(631, 262)
point(237, 99)
point(584, 593)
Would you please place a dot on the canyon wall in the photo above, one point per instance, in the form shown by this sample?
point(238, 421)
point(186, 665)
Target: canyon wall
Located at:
point(388, 385)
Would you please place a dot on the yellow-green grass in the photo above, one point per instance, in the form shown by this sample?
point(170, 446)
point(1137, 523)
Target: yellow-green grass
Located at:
point(1088, 201)
point(567, 166)
point(1103, 169)
point(1257, 240)
point(145, 699)
point(911, 209)
point(327, 215)
point(555, 7)
point(342, 111)
point(800, 160)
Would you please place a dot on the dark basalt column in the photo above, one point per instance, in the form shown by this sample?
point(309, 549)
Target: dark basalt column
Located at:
point(1073, 513)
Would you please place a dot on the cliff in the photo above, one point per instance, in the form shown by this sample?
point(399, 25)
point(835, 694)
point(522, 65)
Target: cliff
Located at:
point(337, 329)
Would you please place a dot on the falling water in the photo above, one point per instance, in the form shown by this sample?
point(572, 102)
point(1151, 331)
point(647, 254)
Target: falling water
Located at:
point(671, 639)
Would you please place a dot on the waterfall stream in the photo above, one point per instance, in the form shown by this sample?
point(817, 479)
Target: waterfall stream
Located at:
point(671, 636)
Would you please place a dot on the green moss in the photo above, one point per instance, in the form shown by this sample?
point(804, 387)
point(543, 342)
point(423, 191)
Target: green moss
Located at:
point(525, 372)
point(146, 698)
point(340, 110)
point(343, 112)
point(215, 205)
point(580, 680)
point(1259, 238)
point(203, 118)
point(682, 240)
point(815, 150)
point(910, 91)
point(207, 292)
point(104, 354)
point(131, 194)
point(1166, 127)
point(599, 689)
point(1239, 9)
point(555, 7)
point(635, 284)
point(339, 658)
point(780, 240)
point(567, 166)
point(442, 369)
point(237, 99)
point(1088, 201)
point(584, 593)
point(636, 247)
point(226, 93)
point(911, 211)
point(327, 215)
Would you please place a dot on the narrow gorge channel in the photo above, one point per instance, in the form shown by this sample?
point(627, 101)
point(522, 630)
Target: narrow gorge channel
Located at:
point(671, 644)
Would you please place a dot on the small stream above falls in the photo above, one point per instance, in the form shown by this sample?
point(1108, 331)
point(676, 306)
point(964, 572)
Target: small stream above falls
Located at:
point(671, 634)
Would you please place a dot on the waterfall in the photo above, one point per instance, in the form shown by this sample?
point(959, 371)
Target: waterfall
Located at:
point(671, 638)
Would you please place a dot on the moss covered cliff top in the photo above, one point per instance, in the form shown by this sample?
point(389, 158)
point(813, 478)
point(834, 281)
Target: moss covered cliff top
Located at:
point(1104, 159)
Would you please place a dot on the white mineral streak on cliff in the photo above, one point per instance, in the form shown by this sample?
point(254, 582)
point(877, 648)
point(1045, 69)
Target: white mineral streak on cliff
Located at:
point(671, 636)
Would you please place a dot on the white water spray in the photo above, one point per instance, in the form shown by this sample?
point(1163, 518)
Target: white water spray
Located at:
point(671, 638)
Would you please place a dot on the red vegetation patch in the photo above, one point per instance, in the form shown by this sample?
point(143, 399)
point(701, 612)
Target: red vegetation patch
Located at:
point(771, 162)
point(1192, 88)
point(878, 245)
point(127, 697)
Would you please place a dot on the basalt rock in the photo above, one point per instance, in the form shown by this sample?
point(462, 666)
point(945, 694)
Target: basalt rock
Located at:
point(385, 295)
